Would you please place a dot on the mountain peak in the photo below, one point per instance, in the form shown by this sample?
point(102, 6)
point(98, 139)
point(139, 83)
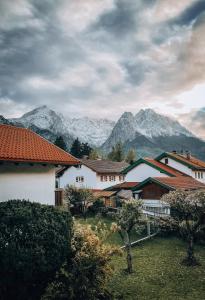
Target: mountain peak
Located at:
point(152, 124)
point(126, 115)
point(147, 112)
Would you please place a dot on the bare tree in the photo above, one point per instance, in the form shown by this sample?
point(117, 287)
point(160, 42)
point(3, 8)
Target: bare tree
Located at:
point(128, 217)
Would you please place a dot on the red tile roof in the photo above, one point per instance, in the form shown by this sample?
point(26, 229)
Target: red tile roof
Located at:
point(23, 145)
point(164, 167)
point(124, 185)
point(180, 182)
point(105, 194)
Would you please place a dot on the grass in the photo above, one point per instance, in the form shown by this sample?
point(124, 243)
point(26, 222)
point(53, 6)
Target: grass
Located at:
point(114, 238)
point(158, 273)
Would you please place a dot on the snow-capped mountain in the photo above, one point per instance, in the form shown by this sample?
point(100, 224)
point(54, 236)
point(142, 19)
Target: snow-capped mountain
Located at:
point(93, 131)
point(152, 124)
point(151, 133)
point(4, 121)
point(45, 120)
point(148, 132)
point(145, 123)
point(123, 131)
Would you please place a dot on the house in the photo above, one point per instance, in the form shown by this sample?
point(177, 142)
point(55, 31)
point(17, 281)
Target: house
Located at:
point(147, 167)
point(28, 165)
point(108, 197)
point(152, 189)
point(185, 163)
point(92, 174)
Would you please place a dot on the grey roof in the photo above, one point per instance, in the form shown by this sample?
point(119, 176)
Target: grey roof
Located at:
point(105, 166)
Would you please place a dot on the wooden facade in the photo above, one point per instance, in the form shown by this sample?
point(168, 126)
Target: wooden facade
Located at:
point(58, 197)
point(153, 191)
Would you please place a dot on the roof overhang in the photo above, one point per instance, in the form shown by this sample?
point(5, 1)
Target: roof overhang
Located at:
point(153, 180)
point(187, 164)
point(144, 161)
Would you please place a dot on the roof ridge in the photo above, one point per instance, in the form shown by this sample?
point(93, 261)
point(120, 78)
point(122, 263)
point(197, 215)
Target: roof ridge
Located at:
point(24, 145)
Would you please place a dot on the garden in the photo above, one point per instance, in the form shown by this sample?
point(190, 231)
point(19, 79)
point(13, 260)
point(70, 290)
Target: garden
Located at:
point(47, 254)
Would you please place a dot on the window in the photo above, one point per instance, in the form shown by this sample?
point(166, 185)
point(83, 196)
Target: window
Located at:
point(166, 161)
point(202, 175)
point(195, 174)
point(103, 178)
point(112, 178)
point(79, 166)
point(79, 179)
point(199, 174)
point(121, 178)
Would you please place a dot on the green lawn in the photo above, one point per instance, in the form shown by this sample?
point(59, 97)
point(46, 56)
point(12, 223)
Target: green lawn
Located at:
point(115, 237)
point(158, 273)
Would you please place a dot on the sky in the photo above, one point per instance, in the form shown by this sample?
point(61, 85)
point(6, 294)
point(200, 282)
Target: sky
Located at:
point(99, 58)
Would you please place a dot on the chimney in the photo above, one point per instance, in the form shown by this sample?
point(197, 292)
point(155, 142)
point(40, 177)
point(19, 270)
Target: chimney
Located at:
point(174, 151)
point(188, 155)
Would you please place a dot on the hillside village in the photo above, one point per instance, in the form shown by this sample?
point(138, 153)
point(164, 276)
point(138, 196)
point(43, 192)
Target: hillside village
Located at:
point(29, 161)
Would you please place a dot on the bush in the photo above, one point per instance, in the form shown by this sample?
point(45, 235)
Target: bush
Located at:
point(85, 276)
point(34, 243)
point(97, 206)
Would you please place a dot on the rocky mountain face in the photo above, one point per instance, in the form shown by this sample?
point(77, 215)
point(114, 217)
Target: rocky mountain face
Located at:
point(148, 132)
point(93, 131)
point(151, 133)
point(51, 124)
point(151, 124)
point(4, 121)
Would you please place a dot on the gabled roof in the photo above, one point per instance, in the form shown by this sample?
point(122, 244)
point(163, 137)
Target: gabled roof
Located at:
point(23, 145)
point(156, 165)
point(173, 183)
point(105, 166)
point(103, 193)
point(191, 162)
point(122, 186)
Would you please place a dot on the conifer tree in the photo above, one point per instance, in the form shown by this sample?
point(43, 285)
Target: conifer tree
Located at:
point(60, 143)
point(85, 149)
point(94, 154)
point(76, 148)
point(117, 153)
point(131, 156)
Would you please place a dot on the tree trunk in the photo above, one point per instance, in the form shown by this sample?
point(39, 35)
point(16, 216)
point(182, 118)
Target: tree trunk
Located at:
point(190, 251)
point(84, 208)
point(129, 255)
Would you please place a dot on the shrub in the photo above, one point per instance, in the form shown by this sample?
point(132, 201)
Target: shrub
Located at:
point(34, 243)
point(97, 206)
point(85, 276)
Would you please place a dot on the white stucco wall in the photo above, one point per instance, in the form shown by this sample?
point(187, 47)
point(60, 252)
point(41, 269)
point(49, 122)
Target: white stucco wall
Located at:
point(105, 184)
point(142, 172)
point(176, 165)
point(199, 175)
point(35, 183)
point(69, 177)
point(92, 180)
point(185, 169)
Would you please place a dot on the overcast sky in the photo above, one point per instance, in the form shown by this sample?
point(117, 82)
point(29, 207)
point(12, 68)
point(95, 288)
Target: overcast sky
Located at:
point(100, 58)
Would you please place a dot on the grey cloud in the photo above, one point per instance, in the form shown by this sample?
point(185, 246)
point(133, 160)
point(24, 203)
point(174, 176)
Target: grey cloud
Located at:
point(126, 56)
